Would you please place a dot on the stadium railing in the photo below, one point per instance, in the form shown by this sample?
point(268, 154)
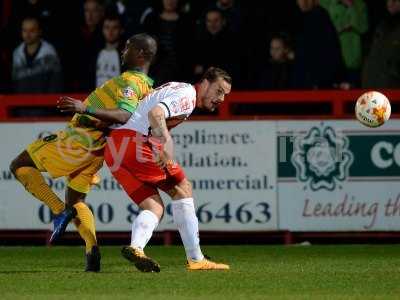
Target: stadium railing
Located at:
point(238, 105)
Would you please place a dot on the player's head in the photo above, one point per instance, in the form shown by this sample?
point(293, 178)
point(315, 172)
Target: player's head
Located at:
point(215, 21)
point(112, 29)
point(139, 51)
point(31, 31)
point(214, 86)
point(393, 7)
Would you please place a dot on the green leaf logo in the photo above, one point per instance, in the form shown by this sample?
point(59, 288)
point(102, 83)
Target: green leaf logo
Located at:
point(322, 158)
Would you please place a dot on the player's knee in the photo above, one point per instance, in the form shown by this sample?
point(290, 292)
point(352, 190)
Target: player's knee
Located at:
point(15, 165)
point(184, 190)
point(22, 160)
point(159, 212)
point(156, 207)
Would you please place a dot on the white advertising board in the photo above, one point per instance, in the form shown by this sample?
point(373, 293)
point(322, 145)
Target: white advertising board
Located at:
point(338, 176)
point(232, 166)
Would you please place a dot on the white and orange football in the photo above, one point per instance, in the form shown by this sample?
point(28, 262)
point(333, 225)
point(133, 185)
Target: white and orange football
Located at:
point(373, 109)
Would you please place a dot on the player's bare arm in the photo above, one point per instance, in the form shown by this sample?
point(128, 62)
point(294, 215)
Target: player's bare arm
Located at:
point(159, 130)
point(116, 115)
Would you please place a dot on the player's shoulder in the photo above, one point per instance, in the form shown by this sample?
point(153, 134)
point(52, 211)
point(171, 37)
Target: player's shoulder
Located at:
point(181, 87)
point(136, 77)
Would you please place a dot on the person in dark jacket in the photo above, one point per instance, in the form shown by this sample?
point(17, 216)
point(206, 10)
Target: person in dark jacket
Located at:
point(275, 73)
point(382, 66)
point(89, 42)
point(214, 45)
point(318, 63)
point(173, 31)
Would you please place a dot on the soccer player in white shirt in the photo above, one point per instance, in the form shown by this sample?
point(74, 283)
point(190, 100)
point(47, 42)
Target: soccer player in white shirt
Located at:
point(140, 156)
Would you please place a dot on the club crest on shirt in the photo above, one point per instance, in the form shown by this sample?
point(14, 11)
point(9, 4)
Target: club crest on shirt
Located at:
point(175, 107)
point(128, 92)
point(184, 105)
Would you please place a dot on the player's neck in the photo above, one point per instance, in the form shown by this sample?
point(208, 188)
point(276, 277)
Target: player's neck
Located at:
point(199, 102)
point(142, 69)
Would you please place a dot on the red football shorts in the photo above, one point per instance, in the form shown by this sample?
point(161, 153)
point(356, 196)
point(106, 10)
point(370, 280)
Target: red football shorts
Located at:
point(130, 157)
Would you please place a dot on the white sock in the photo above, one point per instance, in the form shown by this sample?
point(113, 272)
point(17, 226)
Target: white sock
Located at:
point(142, 228)
point(185, 218)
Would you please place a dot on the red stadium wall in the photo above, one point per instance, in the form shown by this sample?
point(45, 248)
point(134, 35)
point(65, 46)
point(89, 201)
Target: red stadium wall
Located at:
point(276, 105)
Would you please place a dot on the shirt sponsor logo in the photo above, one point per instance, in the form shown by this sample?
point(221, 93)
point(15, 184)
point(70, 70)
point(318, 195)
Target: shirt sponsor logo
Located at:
point(175, 107)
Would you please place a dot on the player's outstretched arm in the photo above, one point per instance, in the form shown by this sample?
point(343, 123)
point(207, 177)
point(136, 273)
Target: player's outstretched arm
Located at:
point(159, 130)
point(116, 115)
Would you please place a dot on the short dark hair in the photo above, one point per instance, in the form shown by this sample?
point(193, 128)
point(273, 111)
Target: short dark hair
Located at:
point(99, 2)
point(32, 18)
point(113, 17)
point(144, 42)
point(212, 74)
point(215, 10)
point(284, 37)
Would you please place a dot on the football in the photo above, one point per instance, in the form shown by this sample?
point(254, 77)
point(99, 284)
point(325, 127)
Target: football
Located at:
point(373, 109)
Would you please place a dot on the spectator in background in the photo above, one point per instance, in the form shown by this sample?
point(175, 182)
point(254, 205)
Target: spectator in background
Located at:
point(214, 45)
point(89, 44)
point(20, 9)
point(130, 12)
point(351, 21)
point(382, 66)
point(36, 67)
point(231, 12)
point(174, 33)
point(318, 63)
point(275, 73)
point(108, 61)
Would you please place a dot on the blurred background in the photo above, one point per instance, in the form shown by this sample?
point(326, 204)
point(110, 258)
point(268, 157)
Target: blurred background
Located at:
point(265, 45)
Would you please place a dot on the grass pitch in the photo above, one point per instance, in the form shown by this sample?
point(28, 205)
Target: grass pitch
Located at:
point(257, 272)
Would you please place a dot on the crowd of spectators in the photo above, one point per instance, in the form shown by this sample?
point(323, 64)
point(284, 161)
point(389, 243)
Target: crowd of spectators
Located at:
point(75, 45)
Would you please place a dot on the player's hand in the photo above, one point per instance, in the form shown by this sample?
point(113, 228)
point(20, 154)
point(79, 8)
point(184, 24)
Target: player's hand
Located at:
point(68, 104)
point(165, 157)
point(163, 161)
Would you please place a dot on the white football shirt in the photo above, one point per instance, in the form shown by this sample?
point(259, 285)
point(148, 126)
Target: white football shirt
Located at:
point(177, 99)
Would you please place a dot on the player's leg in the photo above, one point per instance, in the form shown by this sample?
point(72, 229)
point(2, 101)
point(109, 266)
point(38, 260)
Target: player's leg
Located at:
point(80, 181)
point(79, 184)
point(152, 210)
point(29, 174)
point(184, 216)
point(145, 196)
point(84, 222)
